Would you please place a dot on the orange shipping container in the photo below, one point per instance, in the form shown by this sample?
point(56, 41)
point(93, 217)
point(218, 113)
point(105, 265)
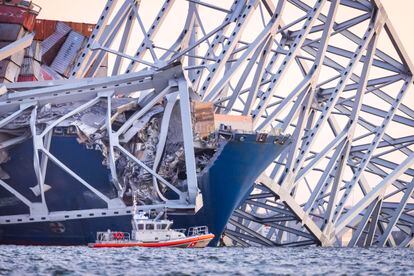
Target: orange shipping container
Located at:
point(203, 118)
point(236, 122)
point(45, 28)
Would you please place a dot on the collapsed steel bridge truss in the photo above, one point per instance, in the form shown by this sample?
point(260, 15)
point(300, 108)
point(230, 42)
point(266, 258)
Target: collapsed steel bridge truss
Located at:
point(333, 74)
point(168, 84)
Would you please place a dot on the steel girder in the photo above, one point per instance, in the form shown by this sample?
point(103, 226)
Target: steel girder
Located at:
point(151, 87)
point(333, 74)
point(16, 46)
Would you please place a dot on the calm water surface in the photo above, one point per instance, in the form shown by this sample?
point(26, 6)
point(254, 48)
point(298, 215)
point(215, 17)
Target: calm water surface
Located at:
point(18, 260)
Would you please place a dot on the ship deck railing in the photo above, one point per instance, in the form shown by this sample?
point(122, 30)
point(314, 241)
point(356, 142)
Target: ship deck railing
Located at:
point(113, 236)
point(198, 230)
point(193, 231)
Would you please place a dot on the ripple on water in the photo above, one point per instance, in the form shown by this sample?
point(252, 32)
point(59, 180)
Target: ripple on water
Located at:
point(16, 260)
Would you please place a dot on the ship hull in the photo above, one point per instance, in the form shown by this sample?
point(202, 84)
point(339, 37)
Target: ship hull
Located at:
point(224, 184)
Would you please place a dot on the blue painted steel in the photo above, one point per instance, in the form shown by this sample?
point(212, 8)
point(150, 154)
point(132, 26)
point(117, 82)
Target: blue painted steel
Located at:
point(224, 185)
point(229, 180)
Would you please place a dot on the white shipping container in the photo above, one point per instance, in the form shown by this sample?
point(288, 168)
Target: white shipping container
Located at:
point(30, 67)
point(61, 30)
point(17, 57)
point(3, 80)
point(9, 70)
point(34, 51)
point(68, 53)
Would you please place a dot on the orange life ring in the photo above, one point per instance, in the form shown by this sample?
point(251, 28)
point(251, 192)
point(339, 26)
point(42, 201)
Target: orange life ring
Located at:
point(119, 235)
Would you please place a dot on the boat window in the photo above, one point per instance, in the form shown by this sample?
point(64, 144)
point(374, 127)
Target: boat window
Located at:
point(149, 226)
point(159, 226)
point(164, 226)
point(140, 226)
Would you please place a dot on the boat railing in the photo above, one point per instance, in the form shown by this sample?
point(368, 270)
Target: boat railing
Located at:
point(113, 236)
point(181, 230)
point(197, 230)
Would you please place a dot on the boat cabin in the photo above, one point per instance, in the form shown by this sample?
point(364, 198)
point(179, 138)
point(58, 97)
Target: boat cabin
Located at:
point(151, 230)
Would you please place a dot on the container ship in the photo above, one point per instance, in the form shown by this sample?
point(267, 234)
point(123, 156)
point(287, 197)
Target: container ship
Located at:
point(229, 155)
point(222, 185)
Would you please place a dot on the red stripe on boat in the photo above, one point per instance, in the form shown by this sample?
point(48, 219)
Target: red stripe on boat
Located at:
point(191, 241)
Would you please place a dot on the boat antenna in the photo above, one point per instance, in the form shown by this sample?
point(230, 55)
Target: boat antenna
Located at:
point(135, 205)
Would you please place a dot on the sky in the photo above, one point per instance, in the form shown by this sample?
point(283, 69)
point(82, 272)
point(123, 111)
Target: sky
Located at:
point(400, 13)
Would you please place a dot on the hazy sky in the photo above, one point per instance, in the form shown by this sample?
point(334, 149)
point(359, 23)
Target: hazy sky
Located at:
point(400, 13)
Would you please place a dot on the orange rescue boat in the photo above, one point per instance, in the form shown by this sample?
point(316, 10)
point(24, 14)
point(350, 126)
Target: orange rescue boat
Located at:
point(154, 233)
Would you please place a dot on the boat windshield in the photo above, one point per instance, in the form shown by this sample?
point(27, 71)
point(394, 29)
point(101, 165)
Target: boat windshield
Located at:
point(161, 226)
point(155, 225)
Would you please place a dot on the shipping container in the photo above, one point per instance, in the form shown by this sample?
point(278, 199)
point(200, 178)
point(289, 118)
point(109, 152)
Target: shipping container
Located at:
point(82, 28)
point(21, 14)
point(17, 57)
point(11, 32)
point(76, 26)
point(39, 30)
point(52, 44)
point(11, 2)
point(45, 28)
point(47, 73)
point(61, 31)
point(34, 51)
point(3, 80)
point(26, 78)
point(50, 55)
point(9, 70)
point(87, 29)
point(49, 27)
point(30, 67)
point(21, 3)
point(235, 122)
point(68, 53)
point(203, 118)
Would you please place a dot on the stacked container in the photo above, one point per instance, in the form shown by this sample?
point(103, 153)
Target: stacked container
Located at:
point(65, 59)
point(52, 43)
point(30, 69)
point(203, 118)
point(17, 18)
point(54, 50)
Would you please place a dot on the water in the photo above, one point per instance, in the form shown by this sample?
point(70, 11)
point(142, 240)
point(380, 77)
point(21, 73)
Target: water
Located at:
point(15, 260)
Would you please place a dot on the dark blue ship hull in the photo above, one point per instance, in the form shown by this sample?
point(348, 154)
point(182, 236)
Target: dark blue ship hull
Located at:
point(224, 184)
